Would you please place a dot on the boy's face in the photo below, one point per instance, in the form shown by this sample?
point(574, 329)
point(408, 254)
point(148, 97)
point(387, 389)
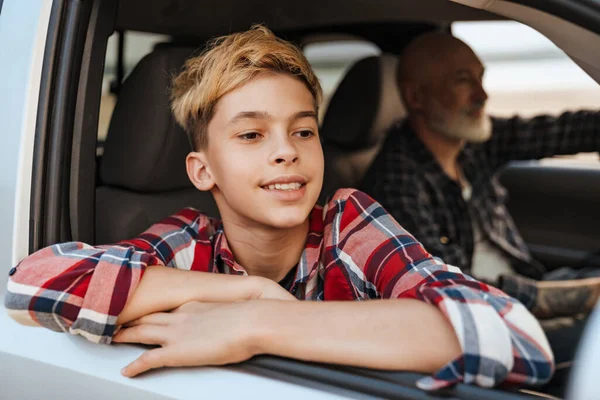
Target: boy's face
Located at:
point(264, 161)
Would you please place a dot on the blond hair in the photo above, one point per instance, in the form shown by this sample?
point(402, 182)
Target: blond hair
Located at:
point(228, 63)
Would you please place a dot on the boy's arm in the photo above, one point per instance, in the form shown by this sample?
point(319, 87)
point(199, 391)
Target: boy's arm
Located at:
point(163, 289)
point(387, 334)
point(404, 334)
point(499, 338)
point(77, 288)
point(436, 316)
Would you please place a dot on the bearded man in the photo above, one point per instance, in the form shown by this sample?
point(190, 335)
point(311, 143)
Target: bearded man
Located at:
point(436, 176)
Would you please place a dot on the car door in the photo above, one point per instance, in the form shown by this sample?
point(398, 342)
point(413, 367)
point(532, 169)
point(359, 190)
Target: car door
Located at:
point(47, 180)
point(555, 206)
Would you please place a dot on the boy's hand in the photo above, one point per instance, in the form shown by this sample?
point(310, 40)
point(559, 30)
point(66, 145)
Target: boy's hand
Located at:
point(270, 290)
point(194, 334)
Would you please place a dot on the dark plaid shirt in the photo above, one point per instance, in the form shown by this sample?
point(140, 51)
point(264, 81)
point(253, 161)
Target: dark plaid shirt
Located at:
point(407, 180)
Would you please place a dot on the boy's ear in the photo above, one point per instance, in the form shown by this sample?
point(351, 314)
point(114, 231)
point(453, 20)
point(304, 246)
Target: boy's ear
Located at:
point(198, 171)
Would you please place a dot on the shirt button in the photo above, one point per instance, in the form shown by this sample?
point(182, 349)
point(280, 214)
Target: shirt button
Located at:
point(12, 271)
point(444, 240)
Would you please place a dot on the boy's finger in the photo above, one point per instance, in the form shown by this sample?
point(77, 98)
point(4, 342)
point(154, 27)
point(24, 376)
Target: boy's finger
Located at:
point(151, 319)
point(146, 334)
point(148, 360)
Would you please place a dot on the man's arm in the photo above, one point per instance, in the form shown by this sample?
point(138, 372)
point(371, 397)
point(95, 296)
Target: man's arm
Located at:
point(543, 136)
point(80, 289)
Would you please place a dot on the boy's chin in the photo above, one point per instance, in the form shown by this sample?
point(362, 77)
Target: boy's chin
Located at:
point(287, 219)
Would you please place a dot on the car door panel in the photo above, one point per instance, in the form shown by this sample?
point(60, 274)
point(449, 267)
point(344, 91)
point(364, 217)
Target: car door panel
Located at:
point(557, 210)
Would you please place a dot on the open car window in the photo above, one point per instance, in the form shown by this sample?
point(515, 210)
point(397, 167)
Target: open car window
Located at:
point(61, 192)
point(527, 74)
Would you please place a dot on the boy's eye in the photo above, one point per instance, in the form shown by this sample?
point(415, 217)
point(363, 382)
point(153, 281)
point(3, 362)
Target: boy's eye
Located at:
point(249, 136)
point(304, 134)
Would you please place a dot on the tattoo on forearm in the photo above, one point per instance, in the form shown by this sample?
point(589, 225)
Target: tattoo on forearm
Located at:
point(554, 302)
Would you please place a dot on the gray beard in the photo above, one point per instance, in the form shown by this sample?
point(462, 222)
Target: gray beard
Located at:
point(459, 126)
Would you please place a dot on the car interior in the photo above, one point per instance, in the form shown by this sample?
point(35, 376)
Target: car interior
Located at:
point(140, 176)
point(130, 196)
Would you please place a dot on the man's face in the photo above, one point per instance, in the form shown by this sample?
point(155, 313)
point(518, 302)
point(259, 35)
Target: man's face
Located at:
point(264, 156)
point(455, 100)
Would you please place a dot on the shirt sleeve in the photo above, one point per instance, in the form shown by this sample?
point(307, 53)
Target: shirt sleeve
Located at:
point(500, 340)
point(81, 289)
point(543, 136)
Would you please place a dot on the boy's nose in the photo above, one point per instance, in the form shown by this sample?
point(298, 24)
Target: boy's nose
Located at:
point(285, 152)
point(290, 160)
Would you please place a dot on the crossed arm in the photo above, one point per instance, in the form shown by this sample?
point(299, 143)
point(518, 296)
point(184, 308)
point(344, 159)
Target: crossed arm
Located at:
point(434, 313)
point(418, 338)
point(221, 319)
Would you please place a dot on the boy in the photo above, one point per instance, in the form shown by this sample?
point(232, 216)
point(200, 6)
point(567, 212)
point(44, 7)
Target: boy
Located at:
point(250, 106)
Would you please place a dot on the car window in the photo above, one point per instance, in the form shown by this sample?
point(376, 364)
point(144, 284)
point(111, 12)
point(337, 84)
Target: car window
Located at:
point(527, 74)
point(331, 60)
point(136, 46)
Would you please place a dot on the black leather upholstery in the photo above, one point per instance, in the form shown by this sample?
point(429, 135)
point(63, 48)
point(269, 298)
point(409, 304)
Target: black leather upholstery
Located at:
point(144, 146)
point(143, 176)
point(365, 105)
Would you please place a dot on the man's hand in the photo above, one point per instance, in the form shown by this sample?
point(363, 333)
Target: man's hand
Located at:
point(194, 334)
point(566, 298)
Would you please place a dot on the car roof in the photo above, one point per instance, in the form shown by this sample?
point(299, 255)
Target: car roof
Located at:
point(201, 19)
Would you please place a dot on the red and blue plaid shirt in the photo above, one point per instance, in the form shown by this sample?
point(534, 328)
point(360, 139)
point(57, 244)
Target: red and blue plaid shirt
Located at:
point(354, 251)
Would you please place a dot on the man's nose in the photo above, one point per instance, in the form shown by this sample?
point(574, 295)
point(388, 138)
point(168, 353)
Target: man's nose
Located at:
point(480, 94)
point(284, 150)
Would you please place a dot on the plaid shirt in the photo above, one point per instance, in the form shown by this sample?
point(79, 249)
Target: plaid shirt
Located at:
point(354, 251)
point(411, 185)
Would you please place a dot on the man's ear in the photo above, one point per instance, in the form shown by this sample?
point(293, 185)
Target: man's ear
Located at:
point(198, 171)
point(413, 96)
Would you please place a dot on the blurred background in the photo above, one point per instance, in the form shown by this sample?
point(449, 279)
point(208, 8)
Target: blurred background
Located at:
point(526, 73)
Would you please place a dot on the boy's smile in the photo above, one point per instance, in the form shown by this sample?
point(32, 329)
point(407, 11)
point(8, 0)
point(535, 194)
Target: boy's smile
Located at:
point(264, 161)
point(287, 187)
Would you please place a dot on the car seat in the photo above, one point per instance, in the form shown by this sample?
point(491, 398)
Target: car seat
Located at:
point(362, 110)
point(142, 174)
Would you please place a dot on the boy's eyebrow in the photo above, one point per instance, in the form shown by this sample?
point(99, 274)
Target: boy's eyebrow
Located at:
point(250, 115)
point(265, 115)
point(305, 114)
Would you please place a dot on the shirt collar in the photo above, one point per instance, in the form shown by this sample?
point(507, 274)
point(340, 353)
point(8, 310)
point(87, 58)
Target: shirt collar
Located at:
point(309, 260)
point(311, 255)
point(423, 157)
point(427, 161)
point(419, 151)
point(223, 257)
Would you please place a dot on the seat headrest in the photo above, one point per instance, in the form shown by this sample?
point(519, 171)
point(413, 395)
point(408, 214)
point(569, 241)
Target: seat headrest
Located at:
point(145, 148)
point(364, 105)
